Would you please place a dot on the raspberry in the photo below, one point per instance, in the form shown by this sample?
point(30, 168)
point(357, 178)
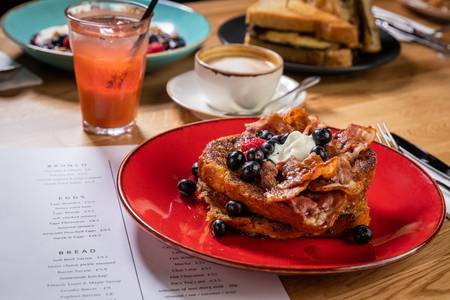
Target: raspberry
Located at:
point(66, 43)
point(155, 47)
point(252, 143)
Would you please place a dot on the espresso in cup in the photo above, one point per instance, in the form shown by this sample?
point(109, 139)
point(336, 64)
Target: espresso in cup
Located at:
point(237, 77)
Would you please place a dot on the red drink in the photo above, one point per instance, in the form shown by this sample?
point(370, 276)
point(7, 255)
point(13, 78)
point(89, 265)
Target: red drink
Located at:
point(109, 48)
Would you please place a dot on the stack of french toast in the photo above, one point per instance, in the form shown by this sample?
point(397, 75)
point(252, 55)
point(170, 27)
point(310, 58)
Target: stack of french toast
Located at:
point(291, 177)
point(316, 32)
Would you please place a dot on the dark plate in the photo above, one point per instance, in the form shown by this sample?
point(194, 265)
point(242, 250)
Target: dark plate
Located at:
point(233, 31)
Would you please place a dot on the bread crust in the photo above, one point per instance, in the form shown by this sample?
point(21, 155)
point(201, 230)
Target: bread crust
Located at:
point(328, 58)
point(370, 35)
point(357, 213)
point(302, 17)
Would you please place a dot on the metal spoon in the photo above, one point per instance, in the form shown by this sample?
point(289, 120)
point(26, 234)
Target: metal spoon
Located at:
point(303, 85)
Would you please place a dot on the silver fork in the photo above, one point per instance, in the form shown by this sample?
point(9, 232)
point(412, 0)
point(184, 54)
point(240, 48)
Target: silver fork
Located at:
point(385, 137)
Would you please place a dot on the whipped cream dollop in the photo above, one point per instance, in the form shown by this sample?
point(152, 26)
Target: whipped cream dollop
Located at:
point(297, 144)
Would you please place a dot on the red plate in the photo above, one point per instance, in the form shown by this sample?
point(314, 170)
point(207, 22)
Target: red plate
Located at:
point(407, 209)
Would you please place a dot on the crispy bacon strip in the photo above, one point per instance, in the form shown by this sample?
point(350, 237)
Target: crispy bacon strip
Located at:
point(274, 122)
point(343, 180)
point(318, 176)
point(298, 174)
point(351, 141)
point(269, 174)
point(319, 210)
point(295, 119)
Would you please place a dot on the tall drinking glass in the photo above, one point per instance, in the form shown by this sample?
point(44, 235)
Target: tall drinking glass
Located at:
point(109, 44)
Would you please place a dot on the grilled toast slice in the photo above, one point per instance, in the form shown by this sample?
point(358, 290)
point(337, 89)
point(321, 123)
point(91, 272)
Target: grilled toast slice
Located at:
point(319, 57)
point(302, 17)
point(358, 13)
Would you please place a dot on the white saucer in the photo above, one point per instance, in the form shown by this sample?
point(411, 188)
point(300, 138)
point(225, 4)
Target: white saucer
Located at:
point(185, 90)
point(8, 67)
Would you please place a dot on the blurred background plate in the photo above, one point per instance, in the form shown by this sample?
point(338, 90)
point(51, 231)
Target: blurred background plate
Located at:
point(428, 10)
point(233, 31)
point(23, 21)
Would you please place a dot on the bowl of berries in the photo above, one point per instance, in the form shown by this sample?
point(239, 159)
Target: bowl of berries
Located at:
point(40, 29)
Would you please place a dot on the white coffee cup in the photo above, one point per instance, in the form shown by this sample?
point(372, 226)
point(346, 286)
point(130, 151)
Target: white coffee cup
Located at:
point(236, 77)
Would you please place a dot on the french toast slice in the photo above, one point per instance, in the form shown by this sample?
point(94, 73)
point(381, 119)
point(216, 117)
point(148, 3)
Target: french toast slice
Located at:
point(357, 213)
point(214, 173)
point(299, 195)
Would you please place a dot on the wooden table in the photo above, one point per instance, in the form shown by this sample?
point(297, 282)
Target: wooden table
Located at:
point(412, 95)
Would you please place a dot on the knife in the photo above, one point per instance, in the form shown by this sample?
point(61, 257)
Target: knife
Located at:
point(408, 30)
point(428, 159)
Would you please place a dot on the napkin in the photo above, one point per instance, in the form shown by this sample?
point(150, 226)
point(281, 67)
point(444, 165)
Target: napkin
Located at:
point(436, 176)
point(398, 19)
point(19, 79)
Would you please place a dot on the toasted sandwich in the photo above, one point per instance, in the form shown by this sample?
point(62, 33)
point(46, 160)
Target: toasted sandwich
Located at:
point(316, 32)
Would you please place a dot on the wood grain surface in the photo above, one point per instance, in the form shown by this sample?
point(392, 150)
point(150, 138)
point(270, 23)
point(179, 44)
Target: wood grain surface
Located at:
point(412, 95)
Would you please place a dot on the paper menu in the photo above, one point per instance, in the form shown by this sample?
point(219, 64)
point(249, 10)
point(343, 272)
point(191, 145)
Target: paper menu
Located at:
point(66, 236)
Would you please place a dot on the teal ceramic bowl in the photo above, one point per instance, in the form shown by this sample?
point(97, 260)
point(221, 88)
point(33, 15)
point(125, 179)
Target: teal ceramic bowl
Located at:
point(23, 21)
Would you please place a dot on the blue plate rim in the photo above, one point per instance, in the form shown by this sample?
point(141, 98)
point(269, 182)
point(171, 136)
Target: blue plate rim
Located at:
point(182, 7)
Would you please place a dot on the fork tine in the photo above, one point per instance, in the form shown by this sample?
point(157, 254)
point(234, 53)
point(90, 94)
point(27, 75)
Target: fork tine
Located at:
point(384, 139)
point(379, 138)
point(393, 142)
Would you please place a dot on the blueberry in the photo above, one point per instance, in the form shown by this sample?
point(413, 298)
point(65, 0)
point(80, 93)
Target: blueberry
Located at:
point(219, 228)
point(269, 160)
point(186, 187)
point(279, 139)
point(180, 43)
point(283, 138)
point(255, 154)
point(195, 169)
point(165, 36)
point(33, 39)
point(153, 38)
point(362, 234)
point(235, 160)
point(267, 148)
point(61, 39)
point(55, 41)
point(172, 44)
point(319, 150)
point(234, 208)
point(265, 134)
point(321, 136)
point(250, 171)
point(275, 139)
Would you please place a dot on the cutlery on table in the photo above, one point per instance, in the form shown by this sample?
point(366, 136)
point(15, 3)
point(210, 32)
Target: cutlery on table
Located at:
point(434, 166)
point(429, 40)
point(409, 30)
